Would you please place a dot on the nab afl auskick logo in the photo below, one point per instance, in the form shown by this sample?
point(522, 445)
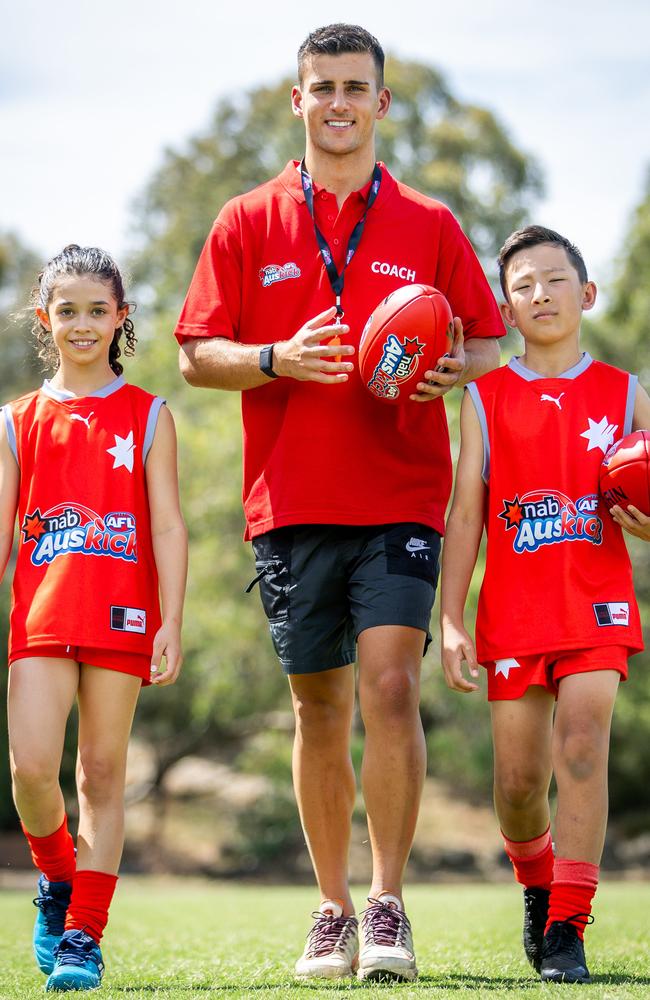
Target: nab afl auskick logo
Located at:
point(545, 517)
point(73, 528)
point(398, 361)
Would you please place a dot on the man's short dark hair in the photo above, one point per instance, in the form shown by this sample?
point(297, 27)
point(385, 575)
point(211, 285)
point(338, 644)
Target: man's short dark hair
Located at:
point(336, 39)
point(533, 236)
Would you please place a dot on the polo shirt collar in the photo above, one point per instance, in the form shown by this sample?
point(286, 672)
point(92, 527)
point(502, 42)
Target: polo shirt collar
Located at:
point(290, 180)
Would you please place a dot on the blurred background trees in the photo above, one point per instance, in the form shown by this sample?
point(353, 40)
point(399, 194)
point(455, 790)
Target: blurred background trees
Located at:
point(231, 702)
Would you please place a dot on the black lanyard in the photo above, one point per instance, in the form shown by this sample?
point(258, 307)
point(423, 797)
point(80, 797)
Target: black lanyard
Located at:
point(336, 279)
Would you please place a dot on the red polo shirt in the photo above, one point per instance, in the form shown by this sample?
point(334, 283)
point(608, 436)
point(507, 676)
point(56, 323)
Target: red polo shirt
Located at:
point(333, 454)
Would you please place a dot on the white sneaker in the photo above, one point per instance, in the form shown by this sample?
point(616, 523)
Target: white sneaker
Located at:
point(332, 945)
point(386, 941)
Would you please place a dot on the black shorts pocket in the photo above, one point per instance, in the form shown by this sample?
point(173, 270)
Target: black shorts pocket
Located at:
point(273, 565)
point(413, 550)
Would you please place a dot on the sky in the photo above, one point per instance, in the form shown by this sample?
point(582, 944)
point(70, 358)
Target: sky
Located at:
point(91, 95)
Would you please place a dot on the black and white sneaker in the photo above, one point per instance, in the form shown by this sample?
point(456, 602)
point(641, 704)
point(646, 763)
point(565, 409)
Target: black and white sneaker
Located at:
point(535, 917)
point(563, 953)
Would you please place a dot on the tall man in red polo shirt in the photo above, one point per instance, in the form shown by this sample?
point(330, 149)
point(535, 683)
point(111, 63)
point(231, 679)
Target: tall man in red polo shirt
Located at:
point(344, 496)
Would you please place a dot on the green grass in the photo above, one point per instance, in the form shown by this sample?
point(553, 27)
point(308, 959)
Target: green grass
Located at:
point(190, 940)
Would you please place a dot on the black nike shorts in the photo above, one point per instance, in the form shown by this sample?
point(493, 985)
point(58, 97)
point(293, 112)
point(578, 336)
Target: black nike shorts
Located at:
point(322, 585)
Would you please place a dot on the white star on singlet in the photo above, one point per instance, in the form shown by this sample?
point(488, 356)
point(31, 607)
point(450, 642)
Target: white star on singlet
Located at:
point(123, 451)
point(599, 435)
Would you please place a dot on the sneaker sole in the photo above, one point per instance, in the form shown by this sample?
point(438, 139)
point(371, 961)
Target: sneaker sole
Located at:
point(391, 975)
point(65, 985)
point(323, 973)
point(564, 977)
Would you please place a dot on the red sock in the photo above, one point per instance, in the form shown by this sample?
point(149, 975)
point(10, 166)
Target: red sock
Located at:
point(53, 855)
point(532, 860)
point(572, 890)
point(92, 893)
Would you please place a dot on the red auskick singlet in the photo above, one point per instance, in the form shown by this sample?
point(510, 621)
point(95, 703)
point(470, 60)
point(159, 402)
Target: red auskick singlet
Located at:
point(85, 572)
point(558, 575)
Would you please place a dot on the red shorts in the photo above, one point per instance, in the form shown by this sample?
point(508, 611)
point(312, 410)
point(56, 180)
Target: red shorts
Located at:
point(510, 678)
point(136, 664)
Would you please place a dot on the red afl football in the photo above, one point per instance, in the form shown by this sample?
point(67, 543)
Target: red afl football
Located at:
point(404, 337)
point(625, 472)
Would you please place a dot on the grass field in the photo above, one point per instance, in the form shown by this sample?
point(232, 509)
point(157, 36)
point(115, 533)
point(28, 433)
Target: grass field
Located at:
point(187, 939)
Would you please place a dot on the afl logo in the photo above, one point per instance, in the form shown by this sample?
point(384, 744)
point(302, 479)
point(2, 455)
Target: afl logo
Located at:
point(119, 521)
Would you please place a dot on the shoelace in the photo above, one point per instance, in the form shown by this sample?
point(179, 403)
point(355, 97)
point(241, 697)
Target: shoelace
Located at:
point(562, 934)
point(328, 933)
point(54, 911)
point(384, 924)
point(75, 949)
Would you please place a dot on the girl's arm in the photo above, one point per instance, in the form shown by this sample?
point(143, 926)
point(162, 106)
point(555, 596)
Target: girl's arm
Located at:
point(9, 484)
point(632, 519)
point(169, 537)
point(460, 549)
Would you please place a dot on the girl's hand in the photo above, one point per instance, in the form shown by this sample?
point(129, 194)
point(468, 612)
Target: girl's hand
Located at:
point(167, 643)
point(456, 647)
point(632, 520)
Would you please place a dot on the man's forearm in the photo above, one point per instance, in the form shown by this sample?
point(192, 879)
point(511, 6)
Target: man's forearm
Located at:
point(219, 363)
point(481, 355)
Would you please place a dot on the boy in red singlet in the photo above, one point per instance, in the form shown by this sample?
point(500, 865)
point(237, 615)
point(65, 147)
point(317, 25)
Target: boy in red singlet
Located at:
point(88, 463)
point(557, 617)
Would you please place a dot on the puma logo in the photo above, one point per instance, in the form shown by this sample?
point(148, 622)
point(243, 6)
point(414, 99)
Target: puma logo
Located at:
point(552, 399)
point(84, 420)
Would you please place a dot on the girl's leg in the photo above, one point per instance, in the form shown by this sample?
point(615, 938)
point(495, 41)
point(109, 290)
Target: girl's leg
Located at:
point(41, 693)
point(107, 700)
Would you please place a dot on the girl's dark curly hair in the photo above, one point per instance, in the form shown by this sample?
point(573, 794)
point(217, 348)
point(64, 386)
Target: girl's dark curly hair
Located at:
point(76, 260)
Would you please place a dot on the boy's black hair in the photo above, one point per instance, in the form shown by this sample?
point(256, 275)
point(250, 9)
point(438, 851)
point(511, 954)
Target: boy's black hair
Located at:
point(335, 39)
point(533, 236)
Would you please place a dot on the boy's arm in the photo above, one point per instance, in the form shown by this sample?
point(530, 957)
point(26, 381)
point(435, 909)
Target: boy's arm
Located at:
point(9, 484)
point(632, 519)
point(462, 539)
point(169, 537)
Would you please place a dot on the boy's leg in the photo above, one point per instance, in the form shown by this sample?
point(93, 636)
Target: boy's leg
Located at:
point(522, 733)
point(40, 696)
point(580, 758)
point(522, 737)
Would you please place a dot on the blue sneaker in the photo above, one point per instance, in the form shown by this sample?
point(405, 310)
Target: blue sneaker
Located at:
point(52, 901)
point(78, 965)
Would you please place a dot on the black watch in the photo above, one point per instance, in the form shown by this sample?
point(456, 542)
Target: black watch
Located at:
point(266, 361)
